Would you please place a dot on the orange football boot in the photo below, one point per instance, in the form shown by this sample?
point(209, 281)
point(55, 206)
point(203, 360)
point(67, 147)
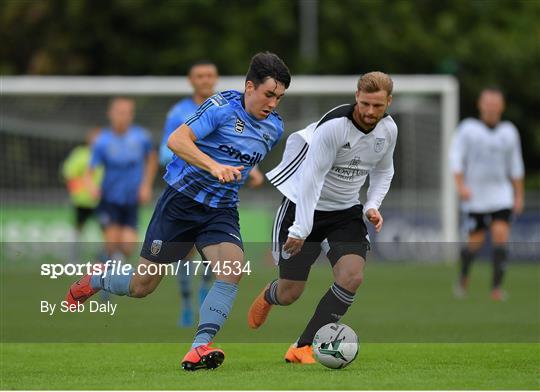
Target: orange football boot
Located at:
point(80, 291)
point(498, 295)
point(258, 312)
point(303, 355)
point(203, 357)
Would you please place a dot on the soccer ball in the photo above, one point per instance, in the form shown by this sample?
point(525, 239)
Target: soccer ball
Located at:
point(335, 345)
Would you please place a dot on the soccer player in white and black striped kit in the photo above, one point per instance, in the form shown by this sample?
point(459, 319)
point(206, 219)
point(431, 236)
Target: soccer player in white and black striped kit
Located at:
point(323, 169)
point(488, 170)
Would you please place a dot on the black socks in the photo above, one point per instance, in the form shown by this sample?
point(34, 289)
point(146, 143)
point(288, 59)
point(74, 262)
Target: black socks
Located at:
point(332, 306)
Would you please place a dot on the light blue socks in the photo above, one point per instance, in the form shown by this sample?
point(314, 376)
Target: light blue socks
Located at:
point(115, 283)
point(214, 311)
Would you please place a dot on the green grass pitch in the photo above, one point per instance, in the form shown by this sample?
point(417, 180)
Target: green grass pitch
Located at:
point(413, 333)
point(260, 366)
point(405, 338)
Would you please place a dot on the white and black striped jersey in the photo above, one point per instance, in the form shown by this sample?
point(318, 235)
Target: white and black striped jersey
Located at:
point(325, 165)
point(488, 158)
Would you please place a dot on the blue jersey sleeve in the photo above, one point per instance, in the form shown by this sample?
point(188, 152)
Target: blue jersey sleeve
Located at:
point(165, 154)
point(279, 125)
point(209, 116)
point(173, 121)
point(171, 124)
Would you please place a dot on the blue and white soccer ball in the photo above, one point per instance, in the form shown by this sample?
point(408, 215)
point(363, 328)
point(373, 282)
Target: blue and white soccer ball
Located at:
point(335, 345)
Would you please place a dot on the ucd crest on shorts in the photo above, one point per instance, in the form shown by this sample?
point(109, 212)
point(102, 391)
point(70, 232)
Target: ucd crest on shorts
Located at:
point(379, 144)
point(156, 247)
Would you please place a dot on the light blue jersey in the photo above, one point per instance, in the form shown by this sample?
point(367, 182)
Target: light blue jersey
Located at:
point(178, 115)
point(230, 136)
point(123, 157)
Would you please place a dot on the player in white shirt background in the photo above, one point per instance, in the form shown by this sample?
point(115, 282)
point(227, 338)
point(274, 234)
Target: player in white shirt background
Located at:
point(321, 181)
point(488, 170)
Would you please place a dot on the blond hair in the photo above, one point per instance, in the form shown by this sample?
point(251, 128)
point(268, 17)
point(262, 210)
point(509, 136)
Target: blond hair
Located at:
point(372, 82)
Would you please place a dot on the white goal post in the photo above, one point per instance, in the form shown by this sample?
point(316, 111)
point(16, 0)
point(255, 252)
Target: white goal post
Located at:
point(446, 87)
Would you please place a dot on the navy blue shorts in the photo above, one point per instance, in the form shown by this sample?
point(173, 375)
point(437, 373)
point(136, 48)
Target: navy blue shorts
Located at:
point(117, 214)
point(180, 222)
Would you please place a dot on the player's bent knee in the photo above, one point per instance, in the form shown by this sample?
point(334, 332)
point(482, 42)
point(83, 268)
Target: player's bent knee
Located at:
point(357, 280)
point(230, 278)
point(351, 282)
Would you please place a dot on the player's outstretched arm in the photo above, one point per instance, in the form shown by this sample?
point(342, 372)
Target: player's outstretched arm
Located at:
point(519, 192)
point(380, 178)
point(182, 143)
point(517, 173)
point(320, 157)
point(457, 153)
point(463, 190)
point(150, 170)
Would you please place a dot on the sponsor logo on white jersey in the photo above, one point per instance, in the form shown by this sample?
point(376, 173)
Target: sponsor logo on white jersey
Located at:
point(379, 144)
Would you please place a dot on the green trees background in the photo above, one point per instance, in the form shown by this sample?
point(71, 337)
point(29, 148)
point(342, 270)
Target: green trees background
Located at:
point(489, 42)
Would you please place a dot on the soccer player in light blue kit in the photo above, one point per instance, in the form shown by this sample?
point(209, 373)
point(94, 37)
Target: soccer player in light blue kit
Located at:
point(130, 162)
point(229, 134)
point(203, 76)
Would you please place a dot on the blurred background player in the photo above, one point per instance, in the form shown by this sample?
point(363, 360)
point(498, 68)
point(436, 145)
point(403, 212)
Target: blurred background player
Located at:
point(83, 195)
point(488, 170)
point(203, 77)
point(321, 205)
point(130, 163)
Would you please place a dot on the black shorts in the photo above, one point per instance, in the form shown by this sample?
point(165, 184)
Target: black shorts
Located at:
point(179, 222)
point(82, 214)
point(338, 233)
point(481, 221)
